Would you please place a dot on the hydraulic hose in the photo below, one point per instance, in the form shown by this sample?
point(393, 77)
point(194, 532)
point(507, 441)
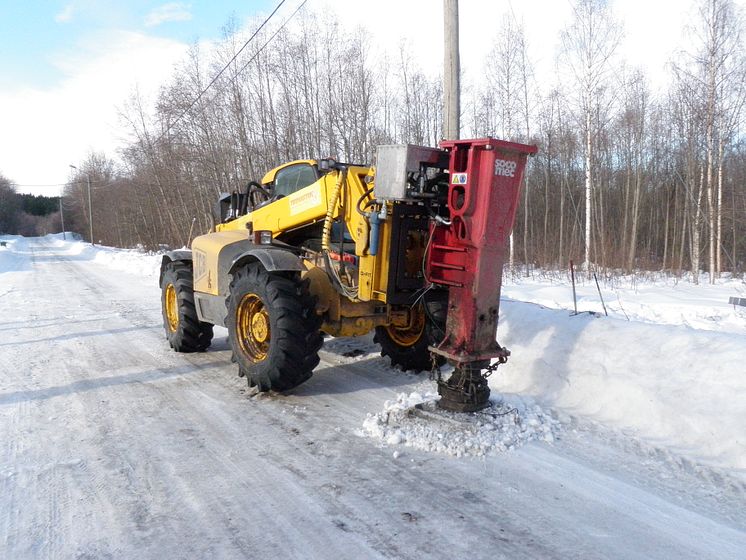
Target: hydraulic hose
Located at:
point(327, 231)
point(326, 236)
point(363, 197)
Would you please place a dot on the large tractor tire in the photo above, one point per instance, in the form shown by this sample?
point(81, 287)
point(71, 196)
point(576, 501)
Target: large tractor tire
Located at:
point(184, 331)
point(273, 327)
point(407, 347)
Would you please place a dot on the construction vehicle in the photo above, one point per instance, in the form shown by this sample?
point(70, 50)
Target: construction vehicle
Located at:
point(412, 248)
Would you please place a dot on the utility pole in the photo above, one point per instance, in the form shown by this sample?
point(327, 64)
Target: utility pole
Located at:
point(451, 72)
point(62, 218)
point(90, 206)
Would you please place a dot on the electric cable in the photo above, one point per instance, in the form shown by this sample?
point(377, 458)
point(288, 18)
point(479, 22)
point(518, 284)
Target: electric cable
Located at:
point(258, 52)
point(224, 68)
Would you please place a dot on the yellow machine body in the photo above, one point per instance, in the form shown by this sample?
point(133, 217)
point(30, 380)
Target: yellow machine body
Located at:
point(214, 253)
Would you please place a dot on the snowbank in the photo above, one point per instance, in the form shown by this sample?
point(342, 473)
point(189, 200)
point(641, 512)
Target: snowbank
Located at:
point(14, 256)
point(668, 366)
point(658, 299)
point(134, 261)
point(674, 386)
point(129, 260)
point(11, 257)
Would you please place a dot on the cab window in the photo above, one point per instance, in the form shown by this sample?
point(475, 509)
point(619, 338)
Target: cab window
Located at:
point(294, 178)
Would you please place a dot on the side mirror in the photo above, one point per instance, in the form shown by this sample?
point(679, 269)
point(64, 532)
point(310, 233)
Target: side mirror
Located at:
point(220, 210)
point(327, 164)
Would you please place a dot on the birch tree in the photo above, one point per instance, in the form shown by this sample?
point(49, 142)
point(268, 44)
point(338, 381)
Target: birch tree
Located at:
point(714, 69)
point(588, 46)
point(504, 100)
point(722, 43)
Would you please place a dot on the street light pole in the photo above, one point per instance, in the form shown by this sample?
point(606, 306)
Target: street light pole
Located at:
point(90, 206)
point(62, 218)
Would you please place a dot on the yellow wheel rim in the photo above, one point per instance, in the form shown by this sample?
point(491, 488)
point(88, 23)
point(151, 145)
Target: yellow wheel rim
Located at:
point(252, 325)
point(172, 308)
point(409, 335)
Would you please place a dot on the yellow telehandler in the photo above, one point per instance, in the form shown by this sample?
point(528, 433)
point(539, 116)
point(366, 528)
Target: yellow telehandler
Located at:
point(412, 248)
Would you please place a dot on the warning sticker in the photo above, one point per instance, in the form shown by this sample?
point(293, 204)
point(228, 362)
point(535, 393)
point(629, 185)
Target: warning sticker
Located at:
point(458, 179)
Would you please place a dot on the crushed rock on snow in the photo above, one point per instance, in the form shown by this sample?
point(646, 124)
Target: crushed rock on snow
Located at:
point(416, 421)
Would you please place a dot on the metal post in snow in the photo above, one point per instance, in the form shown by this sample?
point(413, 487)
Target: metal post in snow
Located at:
point(600, 295)
point(574, 297)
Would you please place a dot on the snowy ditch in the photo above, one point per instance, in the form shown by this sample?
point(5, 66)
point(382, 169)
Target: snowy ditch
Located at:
point(414, 420)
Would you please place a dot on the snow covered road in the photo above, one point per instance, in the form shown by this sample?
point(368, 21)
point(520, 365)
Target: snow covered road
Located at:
point(113, 446)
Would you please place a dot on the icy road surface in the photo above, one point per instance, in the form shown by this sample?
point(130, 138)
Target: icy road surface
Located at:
point(113, 446)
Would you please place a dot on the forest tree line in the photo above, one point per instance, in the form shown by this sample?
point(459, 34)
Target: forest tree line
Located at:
point(625, 178)
point(27, 214)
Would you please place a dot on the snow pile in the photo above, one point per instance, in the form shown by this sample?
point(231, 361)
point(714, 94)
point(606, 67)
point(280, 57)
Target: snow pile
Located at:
point(414, 420)
point(657, 299)
point(134, 261)
point(10, 259)
point(673, 386)
point(15, 254)
point(673, 377)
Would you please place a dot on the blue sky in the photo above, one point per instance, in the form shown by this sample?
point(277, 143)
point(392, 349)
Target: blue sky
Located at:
point(67, 67)
point(35, 35)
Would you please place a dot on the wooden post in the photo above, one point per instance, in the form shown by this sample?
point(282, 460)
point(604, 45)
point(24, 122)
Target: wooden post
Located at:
point(451, 71)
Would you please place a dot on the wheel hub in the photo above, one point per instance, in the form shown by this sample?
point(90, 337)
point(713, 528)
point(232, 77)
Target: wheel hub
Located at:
point(259, 327)
point(409, 335)
point(252, 324)
point(172, 308)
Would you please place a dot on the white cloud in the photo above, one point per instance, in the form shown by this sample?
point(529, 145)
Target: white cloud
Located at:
point(66, 15)
point(45, 130)
point(173, 11)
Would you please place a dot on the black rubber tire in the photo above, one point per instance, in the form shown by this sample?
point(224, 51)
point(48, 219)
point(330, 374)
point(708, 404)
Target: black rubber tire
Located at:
point(191, 334)
point(294, 335)
point(416, 357)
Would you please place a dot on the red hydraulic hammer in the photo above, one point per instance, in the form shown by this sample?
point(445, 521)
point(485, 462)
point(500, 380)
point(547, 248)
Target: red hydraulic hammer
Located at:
point(468, 254)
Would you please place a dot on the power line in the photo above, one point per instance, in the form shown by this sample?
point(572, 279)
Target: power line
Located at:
point(212, 82)
point(223, 69)
point(272, 37)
